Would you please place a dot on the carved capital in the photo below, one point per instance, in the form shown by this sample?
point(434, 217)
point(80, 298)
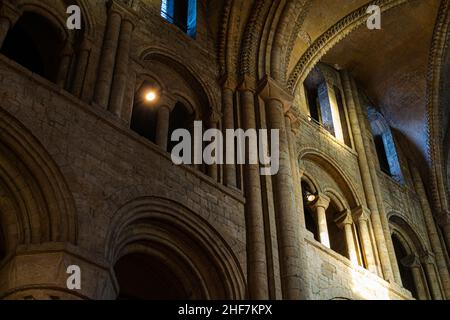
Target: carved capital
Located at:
point(166, 100)
point(361, 213)
point(427, 258)
point(411, 261)
point(228, 82)
point(9, 11)
point(344, 219)
point(247, 83)
point(270, 89)
point(322, 201)
point(215, 117)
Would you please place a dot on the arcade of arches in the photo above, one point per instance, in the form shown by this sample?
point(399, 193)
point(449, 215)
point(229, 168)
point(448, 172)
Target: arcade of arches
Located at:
point(358, 210)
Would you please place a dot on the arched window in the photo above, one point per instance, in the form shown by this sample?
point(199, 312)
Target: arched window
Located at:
point(326, 106)
point(144, 277)
point(180, 118)
point(385, 145)
point(310, 222)
point(144, 114)
point(36, 44)
point(182, 13)
point(336, 234)
point(405, 272)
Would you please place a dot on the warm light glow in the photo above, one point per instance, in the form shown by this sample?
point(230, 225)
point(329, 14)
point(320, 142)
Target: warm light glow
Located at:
point(309, 197)
point(150, 96)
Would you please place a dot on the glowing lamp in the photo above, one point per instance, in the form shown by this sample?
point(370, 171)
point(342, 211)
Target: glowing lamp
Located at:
point(150, 96)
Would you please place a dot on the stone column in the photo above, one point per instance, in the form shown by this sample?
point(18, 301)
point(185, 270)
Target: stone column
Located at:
point(108, 58)
point(361, 216)
point(256, 247)
point(229, 170)
point(432, 276)
point(367, 181)
point(213, 169)
point(64, 65)
point(292, 263)
point(320, 207)
point(5, 24)
point(381, 217)
point(162, 126)
point(292, 126)
point(412, 262)
point(432, 231)
point(345, 221)
point(121, 70)
point(81, 68)
point(8, 18)
point(127, 111)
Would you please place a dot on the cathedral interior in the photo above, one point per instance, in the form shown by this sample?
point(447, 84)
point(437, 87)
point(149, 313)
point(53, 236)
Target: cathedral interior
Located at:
point(359, 209)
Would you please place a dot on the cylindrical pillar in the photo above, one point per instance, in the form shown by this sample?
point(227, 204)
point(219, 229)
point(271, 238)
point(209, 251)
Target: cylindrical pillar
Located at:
point(108, 58)
point(5, 24)
point(229, 170)
point(412, 262)
point(295, 168)
point(432, 231)
point(257, 260)
point(162, 126)
point(433, 279)
point(288, 229)
point(381, 216)
point(367, 182)
point(121, 70)
point(81, 68)
point(320, 207)
point(361, 216)
point(213, 169)
point(64, 65)
point(8, 18)
point(346, 222)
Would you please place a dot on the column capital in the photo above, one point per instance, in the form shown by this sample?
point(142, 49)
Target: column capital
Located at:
point(427, 257)
point(344, 219)
point(443, 219)
point(214, 117)
point(167, 101)
point(361, 213)
point(270, 89)
point(322, 202)
point(125, 12)
point(10, 12)
point(294, 115)
point(411, 261)
point(228, 82)
point(247, 83)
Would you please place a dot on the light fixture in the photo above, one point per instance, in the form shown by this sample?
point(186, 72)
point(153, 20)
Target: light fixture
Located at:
point(150, 96)
point(309, 197)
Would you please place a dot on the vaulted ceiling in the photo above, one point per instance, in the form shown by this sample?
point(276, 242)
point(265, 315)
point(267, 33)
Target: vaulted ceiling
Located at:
point(396, 66)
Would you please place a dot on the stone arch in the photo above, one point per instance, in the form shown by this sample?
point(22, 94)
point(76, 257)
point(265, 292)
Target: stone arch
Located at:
point(330, 38)
point(400, 226)
point(337, 199)
point(44, 10)
point(332, 168)
point(153, 222)
point(36, 205)
point(205, 95)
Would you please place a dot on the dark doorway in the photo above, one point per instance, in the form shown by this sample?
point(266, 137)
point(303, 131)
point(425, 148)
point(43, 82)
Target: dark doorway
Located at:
point(143, 277)
point(35, 44)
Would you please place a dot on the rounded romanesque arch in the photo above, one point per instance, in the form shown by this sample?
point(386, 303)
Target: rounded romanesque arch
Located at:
point(166, 239)
point(328, 165)
point(36, 205)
